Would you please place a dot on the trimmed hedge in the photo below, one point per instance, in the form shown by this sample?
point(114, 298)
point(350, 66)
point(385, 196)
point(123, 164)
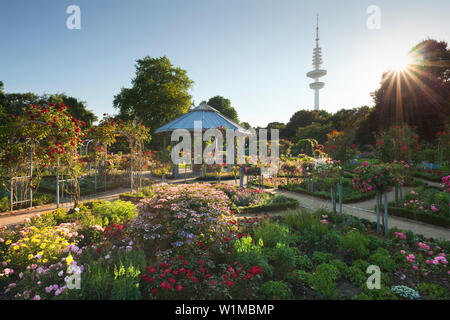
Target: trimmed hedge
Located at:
point(326, 195)
point(275, 204)
point(130, 197)
point(210, 176)
point(420, 216)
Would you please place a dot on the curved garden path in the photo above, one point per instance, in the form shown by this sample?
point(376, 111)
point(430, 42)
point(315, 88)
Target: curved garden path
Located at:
point(363, 209)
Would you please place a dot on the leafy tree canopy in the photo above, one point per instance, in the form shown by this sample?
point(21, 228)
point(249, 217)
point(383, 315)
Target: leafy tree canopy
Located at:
point(223, 105)
point(301, 119)
point(12, 103)
point(159, 93)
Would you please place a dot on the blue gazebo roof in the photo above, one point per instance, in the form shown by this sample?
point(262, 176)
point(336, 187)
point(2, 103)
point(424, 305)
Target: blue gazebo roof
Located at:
point(210, 118)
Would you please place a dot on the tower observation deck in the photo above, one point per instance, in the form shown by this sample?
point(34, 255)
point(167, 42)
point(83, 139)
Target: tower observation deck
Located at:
point(317, 73)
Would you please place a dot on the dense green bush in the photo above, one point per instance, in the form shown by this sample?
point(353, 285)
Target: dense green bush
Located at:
point(302, 221)
point(321, 257)
point(272, 233)
point(354, 244)
point(324, 279)
point(283, 258)
point(276, 290)
point(433, 291)
point(116, 212)
point(382, 258)
point(303, 262)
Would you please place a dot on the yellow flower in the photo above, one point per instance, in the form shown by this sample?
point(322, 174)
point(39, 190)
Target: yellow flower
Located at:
point(69, 259)
point(42, 246)
point(45, 260)
point(8, 242)
point(30, 256)
point(16, 247)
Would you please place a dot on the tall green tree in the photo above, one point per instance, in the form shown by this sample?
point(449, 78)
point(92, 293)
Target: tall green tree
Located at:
point(159, 93)
point(223, 105)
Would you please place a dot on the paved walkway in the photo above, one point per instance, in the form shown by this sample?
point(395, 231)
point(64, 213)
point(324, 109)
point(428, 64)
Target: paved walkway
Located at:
point(363, 209)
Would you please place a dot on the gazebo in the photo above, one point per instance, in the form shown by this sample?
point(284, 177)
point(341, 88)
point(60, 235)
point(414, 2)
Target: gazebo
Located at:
point(210, 119)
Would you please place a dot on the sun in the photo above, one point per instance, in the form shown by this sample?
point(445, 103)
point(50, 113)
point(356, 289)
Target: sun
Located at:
point(399, 64)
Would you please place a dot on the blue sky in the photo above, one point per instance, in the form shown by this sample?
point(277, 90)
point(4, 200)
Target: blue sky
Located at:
point(254, 52)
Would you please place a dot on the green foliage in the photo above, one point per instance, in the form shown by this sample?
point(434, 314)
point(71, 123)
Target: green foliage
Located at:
point(355, 244)
point(223, 105)
point(321, 257)
point(159, 93)
point(356, 276)
point(303, 262)
point(283, 258)
point(276, 290)
point(433, 291)
point(382, 258)
point(340, 266)
point(250, 254)
point(384, 293)
point(305, 221)
point(116, 278)
point(324, 279)
point(299, 280)
point(115, 212)
point(272, 233)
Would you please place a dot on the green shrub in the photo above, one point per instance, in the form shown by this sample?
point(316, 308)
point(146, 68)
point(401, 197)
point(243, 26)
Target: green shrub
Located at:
point(250, 254)
point(302, 221)
point(433, 291)
point(272, 233)
point(384, 293)
point(321, 257)
point(115, 212)
point(355, 275)
point(382, 258)
point(340, 265)
point(303, 262)
point(300, 281)
point(354, 243)
point(329, 269)
point(283, 258)
point(374, 242)
point(276, 290)
point(323, 280)
point(4, 204)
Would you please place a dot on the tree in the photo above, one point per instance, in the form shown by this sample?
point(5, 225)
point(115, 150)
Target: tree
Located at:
point(223, 105)
point(159, 93)
point(302, 119)
point(77, 108)
point(276, 125)
point(314, 131)
point(418, 96)
point(13, 103)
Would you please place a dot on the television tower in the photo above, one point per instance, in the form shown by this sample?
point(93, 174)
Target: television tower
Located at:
point(317, 72)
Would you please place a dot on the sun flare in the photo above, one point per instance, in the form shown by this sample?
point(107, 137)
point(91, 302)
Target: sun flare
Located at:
point(400, 63)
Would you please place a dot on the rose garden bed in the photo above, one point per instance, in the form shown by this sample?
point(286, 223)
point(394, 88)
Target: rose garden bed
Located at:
point(184, 242)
